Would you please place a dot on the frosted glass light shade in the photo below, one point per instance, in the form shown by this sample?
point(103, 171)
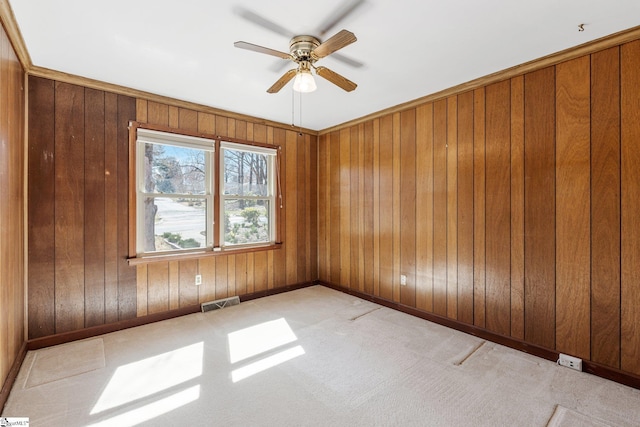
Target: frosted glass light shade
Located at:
point(304, 82)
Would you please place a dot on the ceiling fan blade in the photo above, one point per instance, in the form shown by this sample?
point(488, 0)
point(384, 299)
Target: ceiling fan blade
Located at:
point(349, 61)
point(263, 22)
point(336, 42)
point(336, 79)
point(262, 49)
point(338, 15)
point(282, 81)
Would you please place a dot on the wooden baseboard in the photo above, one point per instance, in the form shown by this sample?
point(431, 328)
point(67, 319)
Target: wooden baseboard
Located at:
point(11, 377)
point(609, 373)
point(48, 341)
point(269, 292)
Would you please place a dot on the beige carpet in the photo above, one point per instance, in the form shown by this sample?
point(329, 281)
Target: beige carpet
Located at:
point(316, 357)
point(563, 417)
point(63, 361)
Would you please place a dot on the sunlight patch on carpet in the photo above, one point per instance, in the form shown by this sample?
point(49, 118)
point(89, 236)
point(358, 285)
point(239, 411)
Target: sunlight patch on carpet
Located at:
point(258, 339)
point(151, 375)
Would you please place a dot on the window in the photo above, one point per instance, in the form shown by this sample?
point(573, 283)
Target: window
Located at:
point(195, 194)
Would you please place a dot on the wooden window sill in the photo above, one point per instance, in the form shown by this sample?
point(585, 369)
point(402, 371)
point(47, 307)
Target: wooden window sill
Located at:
point(199, 254)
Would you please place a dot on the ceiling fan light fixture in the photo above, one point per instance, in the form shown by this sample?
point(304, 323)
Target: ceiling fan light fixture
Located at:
point(304, 82)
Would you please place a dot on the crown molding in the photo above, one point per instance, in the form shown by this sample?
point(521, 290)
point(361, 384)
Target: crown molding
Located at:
point(8, 20)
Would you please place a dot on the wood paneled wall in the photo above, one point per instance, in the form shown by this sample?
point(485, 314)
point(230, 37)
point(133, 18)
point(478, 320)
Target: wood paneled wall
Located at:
point(12, 198)
point(512, 207)
point(169, 285)
point(78, 208)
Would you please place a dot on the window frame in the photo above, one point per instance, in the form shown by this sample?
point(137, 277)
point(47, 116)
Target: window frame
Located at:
point(272, 154)
point(215, 216)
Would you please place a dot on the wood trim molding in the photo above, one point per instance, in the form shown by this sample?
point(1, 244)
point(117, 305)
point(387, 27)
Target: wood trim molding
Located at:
point(11, 377)
point(15, 36)
point(536, 64)
point(545, 353)
point(47, 73)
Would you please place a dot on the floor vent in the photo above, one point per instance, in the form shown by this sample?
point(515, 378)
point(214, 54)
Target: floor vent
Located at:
point(219, 303)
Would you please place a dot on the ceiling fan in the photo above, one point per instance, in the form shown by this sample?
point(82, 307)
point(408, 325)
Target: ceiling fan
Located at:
point(305, 50)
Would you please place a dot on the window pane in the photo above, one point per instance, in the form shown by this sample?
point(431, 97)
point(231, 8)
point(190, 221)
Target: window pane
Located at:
point(176, 170)
point(245, 174)
point(172, 224)
point(246, 221)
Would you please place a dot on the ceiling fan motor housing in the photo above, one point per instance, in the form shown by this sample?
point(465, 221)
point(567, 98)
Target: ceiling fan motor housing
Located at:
point(301, 48)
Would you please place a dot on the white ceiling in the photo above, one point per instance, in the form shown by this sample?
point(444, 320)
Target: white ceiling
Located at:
point(409, 48)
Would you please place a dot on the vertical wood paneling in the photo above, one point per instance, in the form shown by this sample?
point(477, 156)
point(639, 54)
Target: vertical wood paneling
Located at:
point(188, 289)
point(573, 248)
point(291, 209)
point(69, 207)
point(222, 276)
point(207, 269)
point(517, 207)
point(188, 119)
point(452, 207)
point(395, 209)
point(312, 210)
point(440, 207)
point(12, 209)
point(279, 137)
point(345, 208)
point(89, 280)
point(96, 285)
point(241, 274)
point(324, 208)
point(157, 114)
point(260, 271)
point(142, 281)
point(465, 207)
point(408, 206)
point(333, 227)
point(41, 238)
point(174, 116)
point(206, 123)
point(94, 212)
point(355, 224)
point(479, 208)
point(231, 276)
point(525, 205)
point(303, 196)
point(386, 211)
point(368, 214)
point(174, 285)
point(361, 208)
point(605, 207)
point(157, 287)
point(376, 206)
point(630, 123)
point(539, 214)
point(498, 207)
point(424, 207)
point(111, 209)
point(126, 273)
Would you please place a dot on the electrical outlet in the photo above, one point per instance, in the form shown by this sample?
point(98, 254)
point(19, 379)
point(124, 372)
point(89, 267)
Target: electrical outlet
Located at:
point(403, 280)
point(570, 362)
point(198, 279)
